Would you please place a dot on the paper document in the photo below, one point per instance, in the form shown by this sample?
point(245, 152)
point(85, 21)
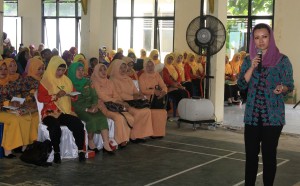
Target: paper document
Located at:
point(74, 93)
point(20, 100)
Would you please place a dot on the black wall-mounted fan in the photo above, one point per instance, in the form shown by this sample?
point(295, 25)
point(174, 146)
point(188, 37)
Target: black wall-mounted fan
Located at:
point(206, 35)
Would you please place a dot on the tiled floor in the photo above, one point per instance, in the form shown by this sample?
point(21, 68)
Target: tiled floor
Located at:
point(234, 115)
point(184, 157)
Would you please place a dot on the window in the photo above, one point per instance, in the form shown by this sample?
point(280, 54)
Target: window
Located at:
point(61, 24)
point(145, 24)
point(242, 15)
point(12, 24)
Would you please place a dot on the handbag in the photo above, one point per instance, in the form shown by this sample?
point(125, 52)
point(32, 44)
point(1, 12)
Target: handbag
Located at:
point(160, 103)
point(37, 153)
point(116, 107)
point(139, 103)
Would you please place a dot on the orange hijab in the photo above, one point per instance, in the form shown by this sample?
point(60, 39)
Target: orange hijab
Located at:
point(122, 82)
point(5, 80)
point(235, 63)
point(34, 65)
point(15, 76)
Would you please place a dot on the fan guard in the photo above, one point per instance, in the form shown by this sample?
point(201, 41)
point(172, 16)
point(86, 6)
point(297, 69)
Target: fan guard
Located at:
point(206, 31)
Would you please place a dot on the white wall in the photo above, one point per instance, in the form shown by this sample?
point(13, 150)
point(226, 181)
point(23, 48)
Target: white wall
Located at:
point(1, 26)
point(31, 13)
point(97, 27)
point(286, 31)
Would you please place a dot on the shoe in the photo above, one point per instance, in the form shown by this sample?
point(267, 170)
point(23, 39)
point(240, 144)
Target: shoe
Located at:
point(57, 158)
point(94, 149)
point(18, 150)
point(10, 156)
point(141, 140)
point(123, 145)
point(107, 151)
point(156, 137)
point(138, 140)
point(81, 156)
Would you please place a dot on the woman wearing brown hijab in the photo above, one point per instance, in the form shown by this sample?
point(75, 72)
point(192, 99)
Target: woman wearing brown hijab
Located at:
point(147, 82)
point(125, 87)
point(106, 92)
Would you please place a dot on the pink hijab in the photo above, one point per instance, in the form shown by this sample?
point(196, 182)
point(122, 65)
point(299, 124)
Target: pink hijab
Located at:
point(272, 56)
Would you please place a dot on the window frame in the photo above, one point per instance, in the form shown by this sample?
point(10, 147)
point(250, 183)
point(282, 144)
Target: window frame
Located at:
point(156, 18)
point(250, 19)
point(57, 17)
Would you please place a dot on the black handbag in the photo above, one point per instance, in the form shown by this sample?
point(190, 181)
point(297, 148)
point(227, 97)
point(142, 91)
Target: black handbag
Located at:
point(156, 103)
point(139, 103)
point(37, 153)
point(114, 107)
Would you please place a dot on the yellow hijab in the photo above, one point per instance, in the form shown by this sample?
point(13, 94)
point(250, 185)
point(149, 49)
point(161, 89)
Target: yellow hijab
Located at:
point(81, 58)
point(152, 54)
point(170, 67)
point(54, 84)
point(5, 80)
point(34, 65)
point(193, 64)
point(15, 76)
point(143, 53)
point(179, 65)
point(132, 71)
point(228, 69)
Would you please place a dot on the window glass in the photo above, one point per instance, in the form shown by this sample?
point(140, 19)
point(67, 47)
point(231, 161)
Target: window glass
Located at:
point(66, 37)
point(67, 9)
point(150, 19)
point(236, 8)
point(143, 30)
point(262, 8)
point(165, 8)
point(49, 9)
point(12, 27)
point(10, 8)
point(144, 8)
point(50, 33)
point(165, 35)
point(123, 34)
point(236, 36)
point(123, 8)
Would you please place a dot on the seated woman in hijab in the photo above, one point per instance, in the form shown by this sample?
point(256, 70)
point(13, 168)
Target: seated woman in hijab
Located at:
point(126, 89)
point(147, 82)
point(12, 67)
point(54, 91)
point(196, 72)
point(130, 71)
point(17, 124)
point(172, 79)
point(36, 69)
point(185, 79)
point(81, 58)
point(86, 107)
point(106, 92)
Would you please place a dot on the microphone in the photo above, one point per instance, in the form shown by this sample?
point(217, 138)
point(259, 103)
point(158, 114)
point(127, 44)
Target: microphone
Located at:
point(259, 66)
